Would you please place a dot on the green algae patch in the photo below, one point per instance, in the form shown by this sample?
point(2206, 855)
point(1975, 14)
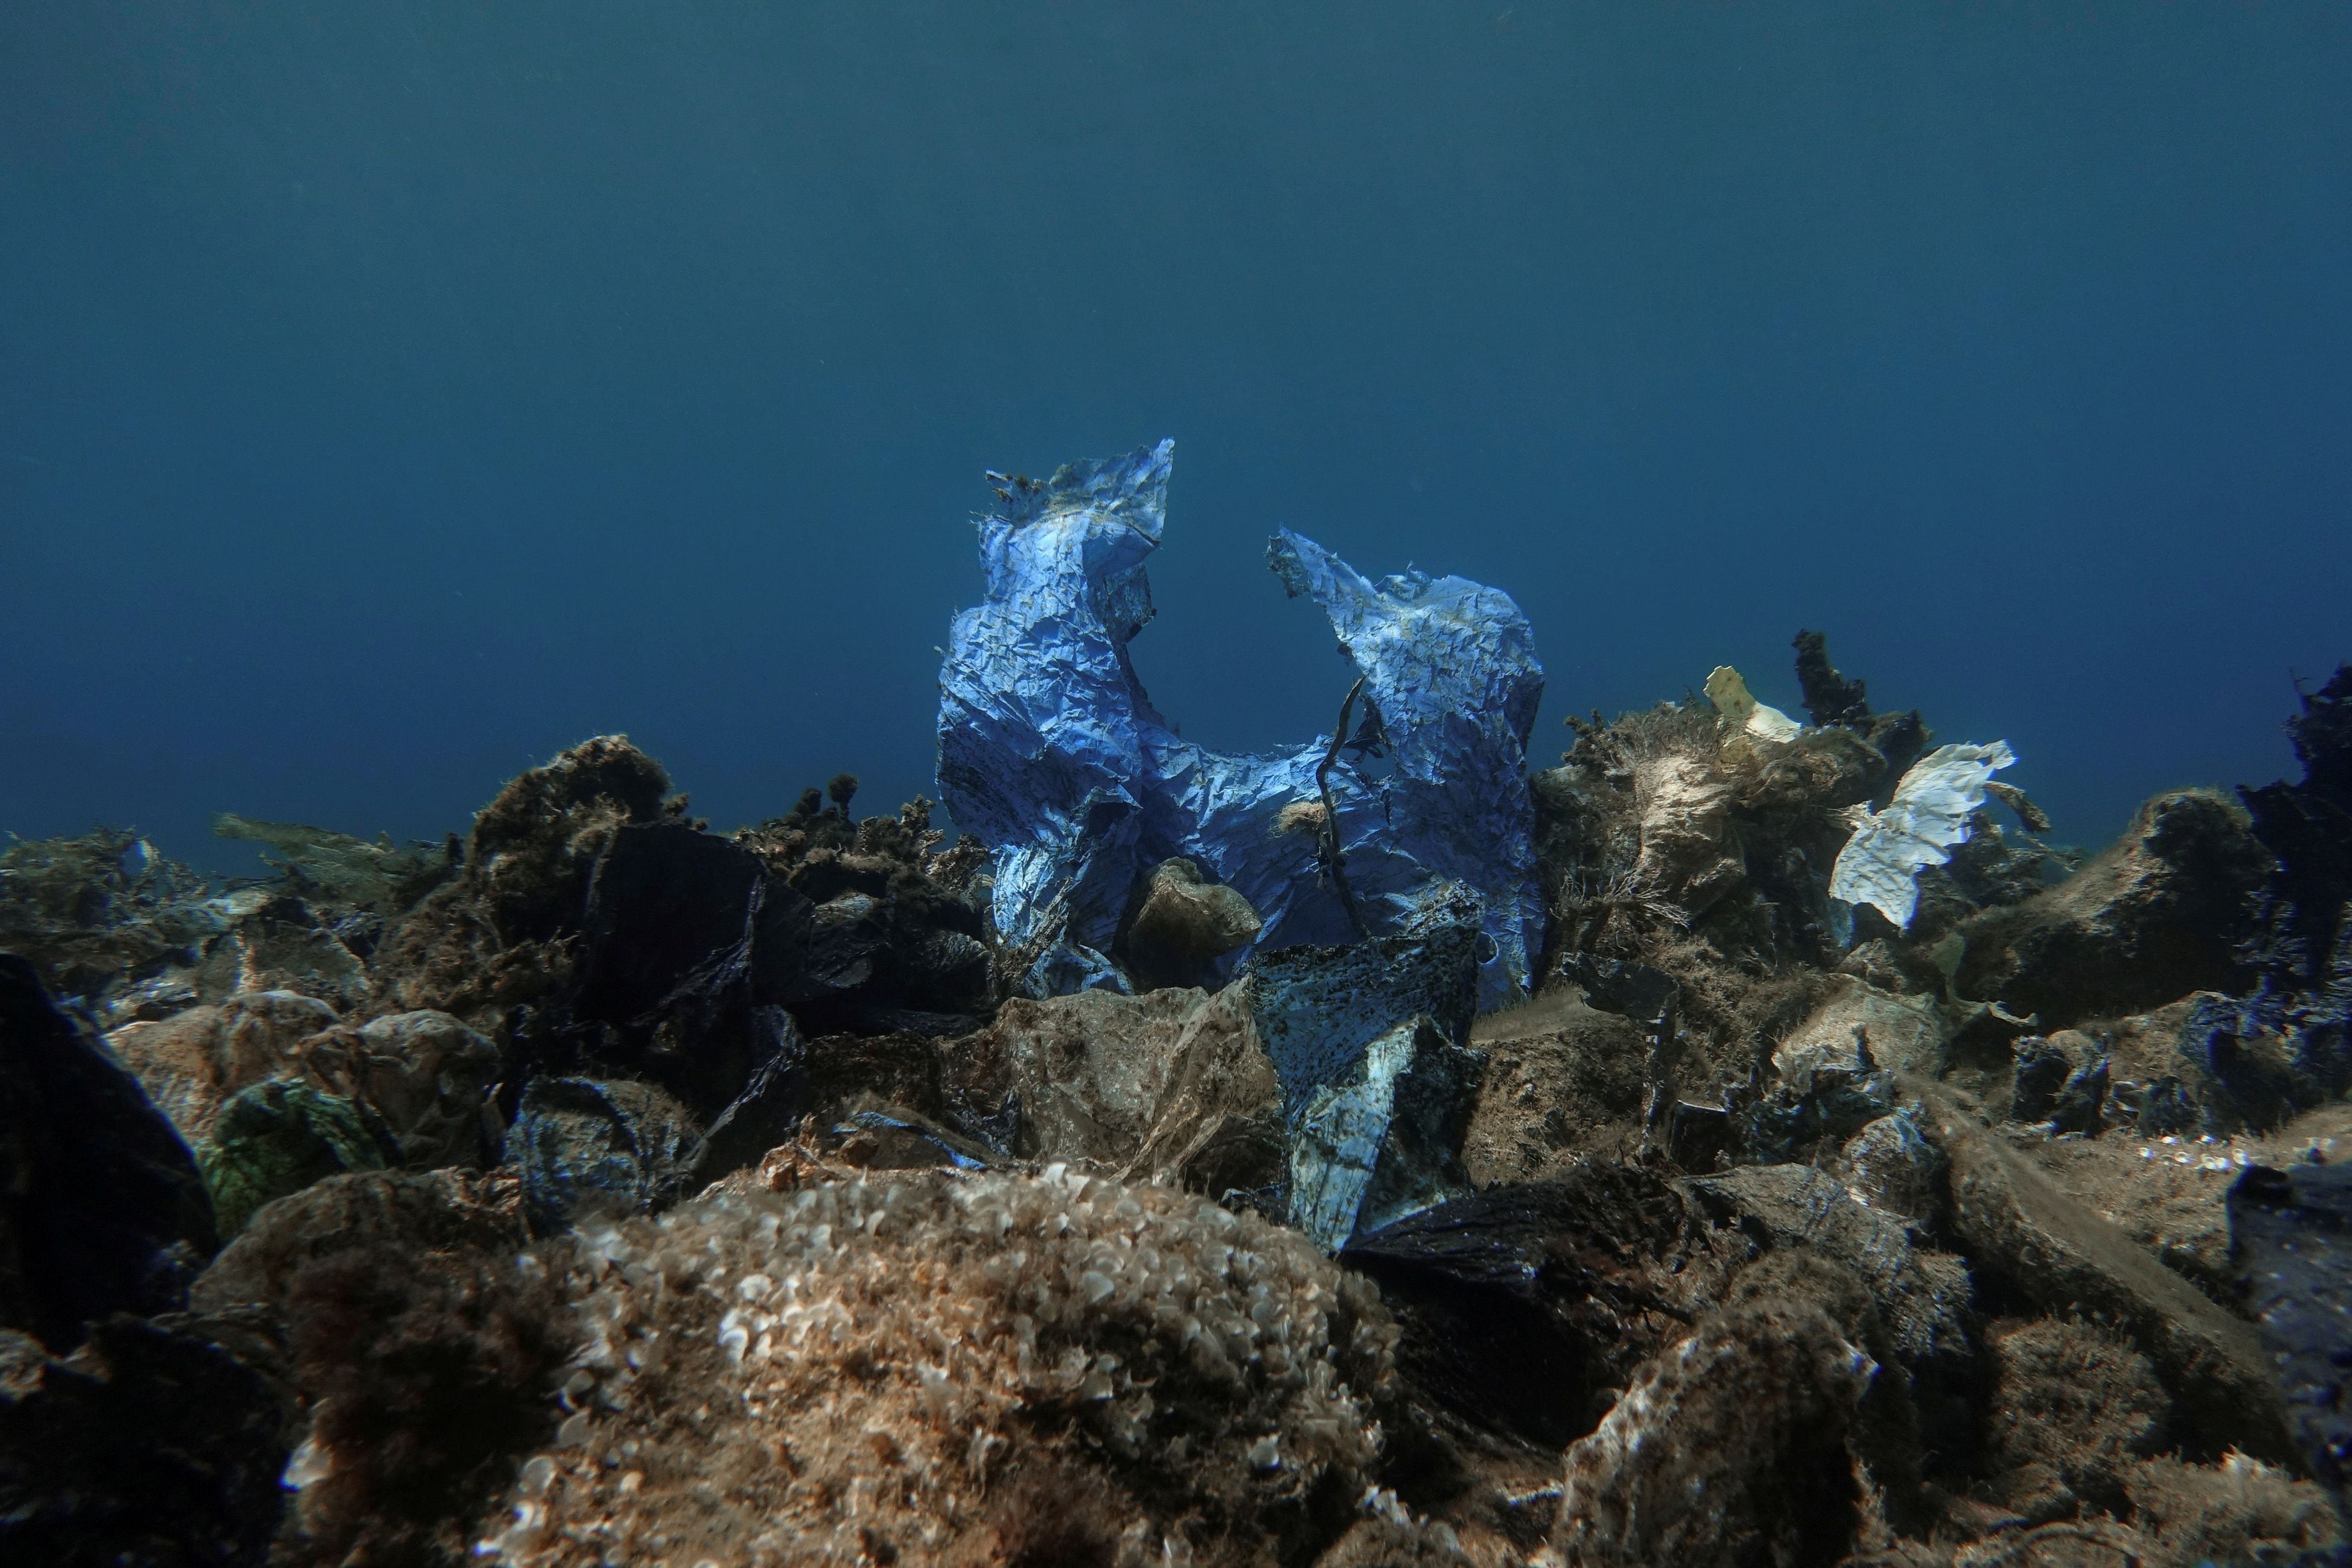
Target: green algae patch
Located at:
point(277, 1138)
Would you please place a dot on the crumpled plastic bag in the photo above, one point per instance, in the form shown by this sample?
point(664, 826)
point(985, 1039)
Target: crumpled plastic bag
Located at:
point(1929, 813)
point(1051, 751)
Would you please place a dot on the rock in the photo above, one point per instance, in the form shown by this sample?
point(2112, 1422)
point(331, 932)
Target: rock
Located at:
point(277, 1138)
point(2160, 912)
point(2293, 1236)
point(2073, 1409)
point(155, 1444)
point(2300, 936)
point(427, 1075)
point(1891, 1166)
point(685, 936)
point(1564, 1083)
point(1183, 922)
point(409, 1211)
point(1859, 1029)
point(353, 872)
point(424, 1350)
point(586, 1146)
point(191, 1063)
point(102, 1208)
point(1923, 1295)
point(1216, 1120)
point(1174, 1373)
point(1524, 1309)
point(770, 1108)
point(1089, 1070)
point(2060, 1082)
point(1385, 1140)
point(1729, 1448)
point(2011, 1219)
point(287, 946)
point(178, 1061)
point(902, 1069)
point(91, 912)
point(1794, 1125)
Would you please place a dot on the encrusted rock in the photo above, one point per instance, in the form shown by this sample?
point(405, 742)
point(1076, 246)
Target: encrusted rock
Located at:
point(2160, 912)
point(1183, 922)
point(425, 1073)
point(277, 1138)
point(193, 1062)
point(1728, 1448)
point(1922, 1294)
point(2011, 1218)
point(871, 1368)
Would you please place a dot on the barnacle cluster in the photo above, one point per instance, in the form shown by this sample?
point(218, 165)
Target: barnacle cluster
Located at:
point(863, 1369)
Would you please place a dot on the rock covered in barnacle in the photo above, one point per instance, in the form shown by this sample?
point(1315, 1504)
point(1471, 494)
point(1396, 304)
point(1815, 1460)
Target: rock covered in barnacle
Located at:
point(1731, 1448)
point(862, 1367)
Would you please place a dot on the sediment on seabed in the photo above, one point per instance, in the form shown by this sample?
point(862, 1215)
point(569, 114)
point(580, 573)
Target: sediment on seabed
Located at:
point(1748, 1141)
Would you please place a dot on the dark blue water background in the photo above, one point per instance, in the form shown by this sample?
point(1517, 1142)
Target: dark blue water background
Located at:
point(391, 394)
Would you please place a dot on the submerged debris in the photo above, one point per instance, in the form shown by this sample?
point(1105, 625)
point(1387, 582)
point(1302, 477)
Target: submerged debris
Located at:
point(1930, 813)
point(1050, 750)
point(1369, 1153)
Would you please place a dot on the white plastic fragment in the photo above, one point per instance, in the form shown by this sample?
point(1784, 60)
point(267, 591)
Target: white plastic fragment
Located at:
point(1880, 864)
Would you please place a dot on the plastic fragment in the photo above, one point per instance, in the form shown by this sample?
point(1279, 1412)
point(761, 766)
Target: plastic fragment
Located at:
point(1051, 751)
point(1880, 864)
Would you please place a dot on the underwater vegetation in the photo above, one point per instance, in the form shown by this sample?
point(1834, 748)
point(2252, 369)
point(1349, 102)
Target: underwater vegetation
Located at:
point(1747, 1141)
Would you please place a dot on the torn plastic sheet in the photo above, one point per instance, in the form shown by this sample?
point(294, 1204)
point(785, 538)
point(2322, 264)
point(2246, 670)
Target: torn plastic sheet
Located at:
point(1929, 813)
point(1051, 751)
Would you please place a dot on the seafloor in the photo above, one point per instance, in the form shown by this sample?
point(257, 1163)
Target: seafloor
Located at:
point(596, 1188)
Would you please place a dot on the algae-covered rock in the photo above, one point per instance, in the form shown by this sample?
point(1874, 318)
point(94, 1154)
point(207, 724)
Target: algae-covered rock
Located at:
point(586, 1147)
point(427, 1075)
point(423, 1345)
point(413, 1211)
point(277, 1138)
point(103, 1209)
point(2012, 1221)
point(1183, 921)
point(2161, 913)
point(1729, 1448)
point(1922, 1294)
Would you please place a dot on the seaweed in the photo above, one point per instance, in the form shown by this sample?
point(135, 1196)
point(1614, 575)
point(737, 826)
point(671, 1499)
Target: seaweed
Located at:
point(346, 871)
